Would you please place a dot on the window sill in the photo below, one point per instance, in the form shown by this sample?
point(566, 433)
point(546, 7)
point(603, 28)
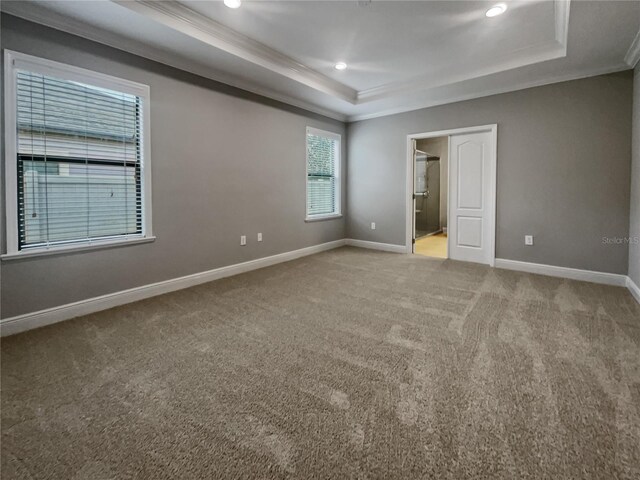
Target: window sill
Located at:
point(319, 218)
point(97, 245)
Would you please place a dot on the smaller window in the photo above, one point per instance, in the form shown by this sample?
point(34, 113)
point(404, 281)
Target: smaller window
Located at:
point(323, 174)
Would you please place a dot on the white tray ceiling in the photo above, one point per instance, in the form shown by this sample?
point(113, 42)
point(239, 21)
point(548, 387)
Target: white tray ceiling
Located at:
point(401, 55)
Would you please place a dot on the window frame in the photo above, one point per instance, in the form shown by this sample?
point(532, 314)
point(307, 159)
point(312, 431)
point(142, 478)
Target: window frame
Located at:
point(337, 213)
point(14, 61)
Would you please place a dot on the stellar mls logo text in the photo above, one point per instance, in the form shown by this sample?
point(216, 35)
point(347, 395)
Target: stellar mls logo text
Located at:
point(621, 240)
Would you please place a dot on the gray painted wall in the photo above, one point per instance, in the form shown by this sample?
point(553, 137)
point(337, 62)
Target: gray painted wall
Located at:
point(634, 229)
point(564, 157)
point(224, 163)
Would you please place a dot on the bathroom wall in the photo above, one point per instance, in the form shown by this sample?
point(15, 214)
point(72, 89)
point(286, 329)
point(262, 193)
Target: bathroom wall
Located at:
point(439, 146)
point(427, 178)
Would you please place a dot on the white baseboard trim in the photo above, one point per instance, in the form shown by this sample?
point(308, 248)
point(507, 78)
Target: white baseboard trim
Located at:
point(563, 272)
point(634, 289)
point(28, 321)
point(385, 247)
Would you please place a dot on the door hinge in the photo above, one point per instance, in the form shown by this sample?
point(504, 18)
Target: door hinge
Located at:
point(413, 241)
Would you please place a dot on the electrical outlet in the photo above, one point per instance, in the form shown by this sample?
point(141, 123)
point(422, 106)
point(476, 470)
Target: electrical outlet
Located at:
point(243, 240)
point(260, 237)
point(528, 239)
point(373, 225)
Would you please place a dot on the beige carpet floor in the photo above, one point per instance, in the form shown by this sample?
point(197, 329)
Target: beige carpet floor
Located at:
point(347, 364)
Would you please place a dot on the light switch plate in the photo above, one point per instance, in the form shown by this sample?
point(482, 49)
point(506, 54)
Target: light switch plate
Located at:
point(243, 240)
point(528, 239)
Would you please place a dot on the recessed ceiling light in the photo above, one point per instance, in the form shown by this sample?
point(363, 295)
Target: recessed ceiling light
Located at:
point(341, 66)
point(496, 10)
point(233, 3)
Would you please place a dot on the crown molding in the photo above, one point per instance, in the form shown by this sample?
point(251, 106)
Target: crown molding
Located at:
point(633, 54)
point(183, 19)
point(585, 73)
point(187, 21)
point(57, 21)
point(537, 54)
point(556, 48)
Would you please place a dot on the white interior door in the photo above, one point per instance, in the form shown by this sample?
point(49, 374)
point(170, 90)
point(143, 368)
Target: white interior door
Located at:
point(471, 202)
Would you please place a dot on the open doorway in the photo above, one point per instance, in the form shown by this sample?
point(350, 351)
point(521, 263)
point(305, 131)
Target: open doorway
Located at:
point(468, 197)
point(431, 160)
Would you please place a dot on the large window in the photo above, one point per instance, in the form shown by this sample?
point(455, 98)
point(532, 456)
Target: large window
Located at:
point(77, 162)
point(323, 174)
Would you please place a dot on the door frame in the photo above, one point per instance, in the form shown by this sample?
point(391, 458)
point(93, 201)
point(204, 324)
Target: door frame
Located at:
point(410, 183)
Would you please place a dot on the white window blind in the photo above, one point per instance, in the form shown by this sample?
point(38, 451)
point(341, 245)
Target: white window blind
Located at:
point(79, 157)
point(323, 167)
